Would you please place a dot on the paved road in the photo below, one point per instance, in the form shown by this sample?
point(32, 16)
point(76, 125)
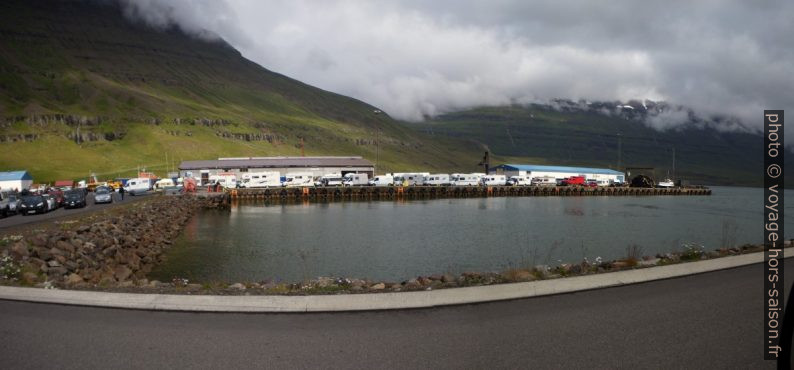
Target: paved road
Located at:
point(711, 320)
point(19, 220)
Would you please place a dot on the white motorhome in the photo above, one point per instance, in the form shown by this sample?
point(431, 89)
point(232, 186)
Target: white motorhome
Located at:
point(494, 180)
point(261, 180)
point(519, 181)
point(138, 185)
point(355, 179)
point(330, 179)
point(382, 180)
point(437, 179)
point(227, 180)
point(298, 179)
point(465, 179)
point(409, 179)
point(544, 181)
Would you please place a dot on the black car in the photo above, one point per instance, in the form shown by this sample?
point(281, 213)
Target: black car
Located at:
point(33, 204)
point(74, 199)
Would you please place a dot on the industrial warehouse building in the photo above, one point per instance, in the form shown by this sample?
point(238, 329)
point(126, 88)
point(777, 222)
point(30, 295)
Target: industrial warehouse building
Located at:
point(15, 180)
point(558, 172)
point(317, 166)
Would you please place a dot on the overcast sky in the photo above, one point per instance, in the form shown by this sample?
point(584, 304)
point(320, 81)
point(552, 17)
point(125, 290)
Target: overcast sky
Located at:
point(419, 58)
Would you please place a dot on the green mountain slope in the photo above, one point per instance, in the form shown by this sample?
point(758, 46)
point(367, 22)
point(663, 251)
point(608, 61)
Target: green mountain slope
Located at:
point(582, 137)
point(83, 89)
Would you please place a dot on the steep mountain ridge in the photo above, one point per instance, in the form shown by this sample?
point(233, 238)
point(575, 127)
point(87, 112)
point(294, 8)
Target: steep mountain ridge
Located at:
point(114, 95)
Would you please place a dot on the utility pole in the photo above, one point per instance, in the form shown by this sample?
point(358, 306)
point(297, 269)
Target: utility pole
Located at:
point(302, 152)
point(673, 163)
point(620, 151)
point(377, 150)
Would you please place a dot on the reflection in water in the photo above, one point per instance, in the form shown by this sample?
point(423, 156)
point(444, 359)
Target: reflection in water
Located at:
point(399, 240)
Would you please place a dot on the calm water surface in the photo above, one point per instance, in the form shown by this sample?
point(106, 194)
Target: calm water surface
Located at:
point(398, 240)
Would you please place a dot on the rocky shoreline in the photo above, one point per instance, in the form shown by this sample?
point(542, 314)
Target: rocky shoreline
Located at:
point(116, 252)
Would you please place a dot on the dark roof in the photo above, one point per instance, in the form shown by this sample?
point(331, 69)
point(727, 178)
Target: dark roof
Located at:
point(272, 162)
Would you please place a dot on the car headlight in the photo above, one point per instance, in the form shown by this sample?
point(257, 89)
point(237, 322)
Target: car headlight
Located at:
point(40, 204)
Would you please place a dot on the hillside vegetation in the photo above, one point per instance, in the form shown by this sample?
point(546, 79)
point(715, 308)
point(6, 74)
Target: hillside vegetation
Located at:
point(83, 89)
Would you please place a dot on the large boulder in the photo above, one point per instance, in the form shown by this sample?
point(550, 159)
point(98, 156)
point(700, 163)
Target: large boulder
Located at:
point(122, 273)
point(19, 250)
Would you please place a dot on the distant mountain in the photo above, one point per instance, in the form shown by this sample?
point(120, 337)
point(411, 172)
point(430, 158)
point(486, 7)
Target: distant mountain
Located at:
point(590, 133)
point(82, 88)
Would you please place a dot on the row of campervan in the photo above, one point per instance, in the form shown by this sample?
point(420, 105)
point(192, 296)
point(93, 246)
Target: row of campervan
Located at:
point(305, 179)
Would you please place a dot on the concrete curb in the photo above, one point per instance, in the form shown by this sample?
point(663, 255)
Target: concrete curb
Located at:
point(375, 301)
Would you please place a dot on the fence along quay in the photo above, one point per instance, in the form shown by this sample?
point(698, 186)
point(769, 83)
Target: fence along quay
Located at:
point(439, 192)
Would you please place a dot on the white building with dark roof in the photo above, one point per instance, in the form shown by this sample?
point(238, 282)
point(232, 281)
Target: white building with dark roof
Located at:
point(317, 166)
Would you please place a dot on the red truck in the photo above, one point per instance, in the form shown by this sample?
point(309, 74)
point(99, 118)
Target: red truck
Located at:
point(573, 180)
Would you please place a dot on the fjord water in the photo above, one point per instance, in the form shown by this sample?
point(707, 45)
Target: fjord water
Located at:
point(389, 240)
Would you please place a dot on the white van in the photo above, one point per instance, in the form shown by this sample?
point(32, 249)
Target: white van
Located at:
point(465, 179)
point(544, 181)
point(138, 185)
point(437, 179)
point(261, 180)
point(382, 180)
point(494, 180)
point(225, 180)
point(298, 179)
point(355, 179)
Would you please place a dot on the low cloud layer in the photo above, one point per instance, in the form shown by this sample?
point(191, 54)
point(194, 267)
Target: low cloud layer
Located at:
point(421, 58)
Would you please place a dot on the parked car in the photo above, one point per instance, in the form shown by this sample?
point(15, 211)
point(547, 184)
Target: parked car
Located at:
point(103, 194)
point(573, 180)
point(174, 190)
point(33, 204)
point(56, 195)
point(52, 203)
point(74, 199)
point(13, 203)
point(5, 206)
